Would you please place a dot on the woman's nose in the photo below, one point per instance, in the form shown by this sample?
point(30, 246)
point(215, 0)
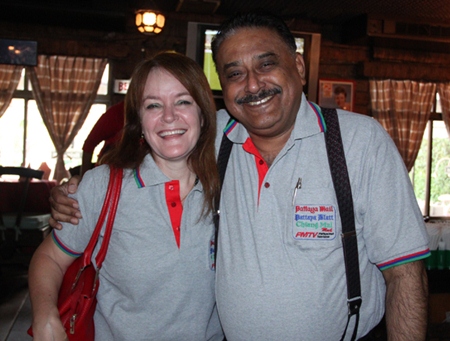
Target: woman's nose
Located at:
point(169, 114)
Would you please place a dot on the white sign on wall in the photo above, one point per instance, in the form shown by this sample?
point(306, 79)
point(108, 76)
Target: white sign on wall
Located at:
point(121, 86)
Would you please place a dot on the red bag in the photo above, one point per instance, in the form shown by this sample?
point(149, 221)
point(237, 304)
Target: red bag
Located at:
point(77, 296)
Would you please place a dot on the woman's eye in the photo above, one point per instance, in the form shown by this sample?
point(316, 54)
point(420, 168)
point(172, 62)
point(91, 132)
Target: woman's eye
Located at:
point(152, 106)
point(184, 102)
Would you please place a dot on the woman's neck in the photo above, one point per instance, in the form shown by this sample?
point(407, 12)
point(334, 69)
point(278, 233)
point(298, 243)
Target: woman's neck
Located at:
point(179, 171)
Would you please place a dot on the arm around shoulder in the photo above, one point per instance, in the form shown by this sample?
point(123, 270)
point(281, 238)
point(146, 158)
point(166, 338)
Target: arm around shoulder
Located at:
point(64, 209)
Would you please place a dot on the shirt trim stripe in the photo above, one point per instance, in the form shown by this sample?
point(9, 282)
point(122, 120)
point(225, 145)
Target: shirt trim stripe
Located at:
point(137, 177)
point(405, 259)
point(64, 248)
point(230, 126)
point(320, 119)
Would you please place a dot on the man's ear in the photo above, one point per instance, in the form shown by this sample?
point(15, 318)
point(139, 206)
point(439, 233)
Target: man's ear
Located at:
point(300, 63)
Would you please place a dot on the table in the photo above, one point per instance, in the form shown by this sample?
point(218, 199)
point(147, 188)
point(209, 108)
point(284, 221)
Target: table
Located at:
point(37, 199)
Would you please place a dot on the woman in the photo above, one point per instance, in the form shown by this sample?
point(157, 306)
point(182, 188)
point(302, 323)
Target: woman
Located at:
point(157, 281)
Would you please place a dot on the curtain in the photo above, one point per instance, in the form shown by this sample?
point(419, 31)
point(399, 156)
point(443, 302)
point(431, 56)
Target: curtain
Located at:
point(403, 109)
point(444, 94)
point(9, 78)
point(64, 89)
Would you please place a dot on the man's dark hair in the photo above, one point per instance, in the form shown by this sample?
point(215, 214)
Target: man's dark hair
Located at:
point(251, 20)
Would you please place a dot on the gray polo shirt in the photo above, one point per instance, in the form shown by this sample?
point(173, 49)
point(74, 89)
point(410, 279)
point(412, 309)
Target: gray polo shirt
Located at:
point(280, 269)
point(149, 288)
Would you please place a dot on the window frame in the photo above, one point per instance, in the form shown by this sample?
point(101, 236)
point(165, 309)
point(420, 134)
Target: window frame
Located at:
point(434, 116)
point(26, 94)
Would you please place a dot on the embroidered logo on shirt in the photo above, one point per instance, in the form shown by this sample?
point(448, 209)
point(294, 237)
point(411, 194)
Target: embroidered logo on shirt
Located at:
point(314, 222)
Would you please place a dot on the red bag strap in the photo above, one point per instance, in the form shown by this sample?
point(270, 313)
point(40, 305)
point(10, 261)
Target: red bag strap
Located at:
point(109, 208)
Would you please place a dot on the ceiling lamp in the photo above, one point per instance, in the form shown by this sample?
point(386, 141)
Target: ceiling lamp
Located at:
point(149, 21)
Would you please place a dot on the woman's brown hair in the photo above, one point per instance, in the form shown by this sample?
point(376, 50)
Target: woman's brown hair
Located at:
point(130, 151)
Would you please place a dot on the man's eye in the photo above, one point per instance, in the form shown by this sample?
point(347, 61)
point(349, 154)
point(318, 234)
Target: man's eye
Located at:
point(234, 74)
point(267, 64)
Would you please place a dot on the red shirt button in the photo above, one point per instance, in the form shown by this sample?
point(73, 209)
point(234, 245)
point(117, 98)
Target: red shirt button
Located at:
point(173, 204)
point(261, 162)
point(266, 185)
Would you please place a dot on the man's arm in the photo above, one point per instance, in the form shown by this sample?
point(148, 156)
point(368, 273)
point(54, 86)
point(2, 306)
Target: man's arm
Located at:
point(406, 302)
point(64, 209)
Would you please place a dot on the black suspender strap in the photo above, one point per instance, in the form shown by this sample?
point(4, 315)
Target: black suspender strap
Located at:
point(341, 182)
point(222, 162)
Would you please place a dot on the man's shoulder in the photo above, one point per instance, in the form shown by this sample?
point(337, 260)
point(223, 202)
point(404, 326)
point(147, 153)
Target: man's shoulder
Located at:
point(353, 121)
point(222, 118)
point(362, 132)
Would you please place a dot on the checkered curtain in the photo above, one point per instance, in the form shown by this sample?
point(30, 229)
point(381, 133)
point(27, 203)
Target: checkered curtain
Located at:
point(444, 94)
point(403, 108)
point(9, 78)
point(64, 89)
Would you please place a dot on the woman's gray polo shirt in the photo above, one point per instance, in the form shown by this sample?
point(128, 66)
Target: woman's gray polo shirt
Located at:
point(149, 288)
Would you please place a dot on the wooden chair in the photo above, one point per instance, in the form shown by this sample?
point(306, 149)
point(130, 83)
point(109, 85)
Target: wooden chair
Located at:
point(21, 229)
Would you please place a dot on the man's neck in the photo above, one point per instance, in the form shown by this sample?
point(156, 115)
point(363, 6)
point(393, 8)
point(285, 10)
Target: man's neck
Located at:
point(269, 148)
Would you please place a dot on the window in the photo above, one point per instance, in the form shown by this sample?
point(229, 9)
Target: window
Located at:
point(431, 173)
point(24, 140)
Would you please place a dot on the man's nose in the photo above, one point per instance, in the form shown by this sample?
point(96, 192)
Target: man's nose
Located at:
point(254, 83)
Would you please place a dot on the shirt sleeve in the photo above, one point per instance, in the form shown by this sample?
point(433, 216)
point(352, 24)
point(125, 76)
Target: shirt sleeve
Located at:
point(73, 239)
point(393, 228)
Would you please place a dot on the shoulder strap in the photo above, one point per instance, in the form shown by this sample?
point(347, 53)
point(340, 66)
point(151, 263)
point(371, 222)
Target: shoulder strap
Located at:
point(109, 209)
point(222, 162)
point(341, 182)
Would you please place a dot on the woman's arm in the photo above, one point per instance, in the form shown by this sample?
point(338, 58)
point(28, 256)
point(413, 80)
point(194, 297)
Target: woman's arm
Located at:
point(46, 273)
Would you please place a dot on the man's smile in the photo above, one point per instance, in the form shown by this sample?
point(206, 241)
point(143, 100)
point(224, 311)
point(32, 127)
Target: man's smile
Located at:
point(262, 97)
point(262, 101)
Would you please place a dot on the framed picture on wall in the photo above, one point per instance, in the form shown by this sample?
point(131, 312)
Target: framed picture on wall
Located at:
point(334, 93)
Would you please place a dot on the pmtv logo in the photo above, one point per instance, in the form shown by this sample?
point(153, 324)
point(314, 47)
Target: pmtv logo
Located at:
point(308, 235)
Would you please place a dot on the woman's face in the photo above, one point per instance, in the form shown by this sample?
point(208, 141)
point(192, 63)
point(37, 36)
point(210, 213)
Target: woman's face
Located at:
point(170, 117)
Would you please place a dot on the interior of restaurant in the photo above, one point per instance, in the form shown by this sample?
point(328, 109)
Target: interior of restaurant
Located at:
point(382, 53)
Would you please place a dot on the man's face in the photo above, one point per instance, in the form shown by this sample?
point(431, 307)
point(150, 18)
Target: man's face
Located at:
point(262, 81)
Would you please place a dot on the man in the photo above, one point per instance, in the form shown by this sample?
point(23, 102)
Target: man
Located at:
point(275, 281)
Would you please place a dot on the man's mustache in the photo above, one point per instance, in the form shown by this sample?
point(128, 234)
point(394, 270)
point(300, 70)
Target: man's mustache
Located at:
point(262, 94)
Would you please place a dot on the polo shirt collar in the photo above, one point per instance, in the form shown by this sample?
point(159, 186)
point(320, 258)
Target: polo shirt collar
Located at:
point(309, 122)
point(149, 174)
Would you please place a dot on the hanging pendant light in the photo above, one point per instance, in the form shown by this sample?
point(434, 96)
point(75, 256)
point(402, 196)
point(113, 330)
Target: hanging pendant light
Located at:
point(149, 21)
